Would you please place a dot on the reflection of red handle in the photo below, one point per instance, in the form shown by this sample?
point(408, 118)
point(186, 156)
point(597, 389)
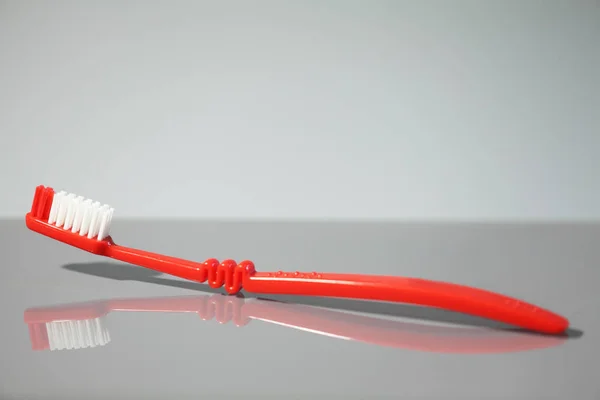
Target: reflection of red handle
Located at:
point(405, 335)
point(338, 324)
point(422, 292)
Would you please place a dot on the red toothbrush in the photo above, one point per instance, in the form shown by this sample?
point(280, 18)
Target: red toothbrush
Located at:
point(85, 224)
point(81, 325)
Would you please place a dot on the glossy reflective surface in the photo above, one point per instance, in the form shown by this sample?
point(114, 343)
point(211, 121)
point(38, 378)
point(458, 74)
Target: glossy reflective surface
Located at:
point(79, 325)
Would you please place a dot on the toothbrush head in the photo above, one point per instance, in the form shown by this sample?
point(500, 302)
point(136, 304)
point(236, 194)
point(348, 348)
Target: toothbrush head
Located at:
point(71, 219)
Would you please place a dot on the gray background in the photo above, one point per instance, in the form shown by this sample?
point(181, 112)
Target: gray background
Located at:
point(434, 110)
point(304, 109)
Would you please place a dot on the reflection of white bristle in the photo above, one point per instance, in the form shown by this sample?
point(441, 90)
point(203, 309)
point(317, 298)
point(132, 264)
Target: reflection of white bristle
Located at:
point(79, 215)
point(77, 334)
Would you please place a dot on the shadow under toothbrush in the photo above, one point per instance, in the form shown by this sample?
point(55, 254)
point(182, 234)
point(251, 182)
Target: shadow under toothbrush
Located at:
point(124, 272)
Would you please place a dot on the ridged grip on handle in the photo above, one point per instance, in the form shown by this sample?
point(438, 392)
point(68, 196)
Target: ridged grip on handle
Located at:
point(423, 292)
point(227, 273)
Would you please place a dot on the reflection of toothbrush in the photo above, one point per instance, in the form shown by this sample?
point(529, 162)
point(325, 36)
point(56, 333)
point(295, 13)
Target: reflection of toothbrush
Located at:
point(81, 325)
point(85, 224)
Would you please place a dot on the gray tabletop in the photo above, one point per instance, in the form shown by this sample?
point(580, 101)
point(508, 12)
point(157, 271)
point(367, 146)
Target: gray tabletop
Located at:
point(155, 336)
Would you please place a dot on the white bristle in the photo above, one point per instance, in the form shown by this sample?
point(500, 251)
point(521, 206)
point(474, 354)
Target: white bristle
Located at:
point(62, 209)
point(54, 209)
point(94, 220)
point(103, 222)
point(69, 335)
point(79, 215)
point(71, 212)
point(87, 216)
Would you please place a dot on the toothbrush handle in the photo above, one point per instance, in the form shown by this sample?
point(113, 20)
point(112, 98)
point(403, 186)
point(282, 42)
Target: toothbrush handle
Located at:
point(464, 299)
point(452, 297)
